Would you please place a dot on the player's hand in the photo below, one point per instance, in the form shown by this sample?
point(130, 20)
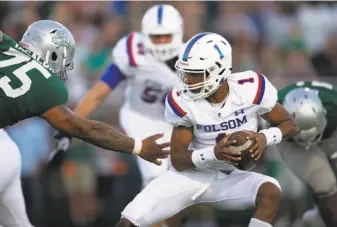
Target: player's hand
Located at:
point(222, 152)
point(152, 151)
point(259, 146)
point(56, 156)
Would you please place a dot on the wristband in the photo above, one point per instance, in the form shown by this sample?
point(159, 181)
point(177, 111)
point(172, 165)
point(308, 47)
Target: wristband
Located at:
point(273, 135)
point(201, 158)
point(206, 159)
point(138, 147)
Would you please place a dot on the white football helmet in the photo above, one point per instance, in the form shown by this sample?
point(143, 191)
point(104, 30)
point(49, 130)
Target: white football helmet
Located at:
point(206, 54)
point(163, 20)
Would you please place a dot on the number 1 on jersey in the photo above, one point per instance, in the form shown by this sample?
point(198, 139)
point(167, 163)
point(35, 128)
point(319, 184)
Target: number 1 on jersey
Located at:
point(248, 80)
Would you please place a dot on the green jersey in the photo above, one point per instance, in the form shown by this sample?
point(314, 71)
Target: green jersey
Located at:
point(28, 86)
point(328, 95)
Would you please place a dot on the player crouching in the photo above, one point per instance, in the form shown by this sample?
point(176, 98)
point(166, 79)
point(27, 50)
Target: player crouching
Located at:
point(208, 103)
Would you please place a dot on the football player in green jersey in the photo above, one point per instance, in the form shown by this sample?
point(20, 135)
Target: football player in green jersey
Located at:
point(312, 153)
point(31, 84)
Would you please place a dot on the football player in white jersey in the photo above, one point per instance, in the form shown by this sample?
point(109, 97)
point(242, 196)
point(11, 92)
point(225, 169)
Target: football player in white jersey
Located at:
point(209, 103)
point(146, 60)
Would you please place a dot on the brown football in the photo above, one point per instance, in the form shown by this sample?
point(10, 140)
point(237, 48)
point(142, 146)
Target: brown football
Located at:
point(243, 145)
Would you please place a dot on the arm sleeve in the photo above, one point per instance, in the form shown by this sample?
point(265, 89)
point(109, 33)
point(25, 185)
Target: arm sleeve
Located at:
point(112, 76)
point(266, 95)
point(127, 54)
point(176, 110)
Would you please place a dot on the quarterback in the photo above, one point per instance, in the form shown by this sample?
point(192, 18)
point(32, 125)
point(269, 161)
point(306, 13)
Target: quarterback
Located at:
point(311, 154)
point(209, 103)
point(31, 74)
point(146, 61)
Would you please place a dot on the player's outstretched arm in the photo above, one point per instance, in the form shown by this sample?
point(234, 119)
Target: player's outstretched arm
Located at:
point(93, 99)
point(103, 135)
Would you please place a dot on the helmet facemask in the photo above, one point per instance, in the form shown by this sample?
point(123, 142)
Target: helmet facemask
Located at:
point(310, 137)
point(66, 59)
point(211, 79)
point(163, 20)
point(309, 114)
point(163, 51)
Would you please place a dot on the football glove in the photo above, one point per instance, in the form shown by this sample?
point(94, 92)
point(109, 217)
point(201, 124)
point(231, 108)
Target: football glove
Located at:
point(56, 156)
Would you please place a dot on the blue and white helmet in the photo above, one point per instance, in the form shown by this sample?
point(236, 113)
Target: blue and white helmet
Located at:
point(163, 20)
point(206, 54)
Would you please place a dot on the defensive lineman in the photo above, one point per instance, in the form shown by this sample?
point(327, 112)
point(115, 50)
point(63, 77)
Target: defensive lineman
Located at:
point(311, 154)
point(210, 102)
point(31, 75)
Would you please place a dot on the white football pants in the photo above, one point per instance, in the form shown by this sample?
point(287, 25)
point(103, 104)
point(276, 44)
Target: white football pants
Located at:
point(12, 204)
point(139, 127)
point(175, 190)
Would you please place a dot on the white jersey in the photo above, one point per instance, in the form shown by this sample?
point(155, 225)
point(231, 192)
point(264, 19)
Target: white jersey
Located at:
point(250, 95)
point(149, 80)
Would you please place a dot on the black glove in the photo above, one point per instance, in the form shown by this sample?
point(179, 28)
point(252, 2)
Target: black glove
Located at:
point(56, 156)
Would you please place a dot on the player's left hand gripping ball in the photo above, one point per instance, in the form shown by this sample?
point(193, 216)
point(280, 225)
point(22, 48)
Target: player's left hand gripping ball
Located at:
point(259, 146)
point(152, 151)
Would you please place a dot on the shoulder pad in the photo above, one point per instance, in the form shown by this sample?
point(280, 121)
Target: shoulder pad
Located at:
point(177, 110)
point(257, 89)
point(129, 52)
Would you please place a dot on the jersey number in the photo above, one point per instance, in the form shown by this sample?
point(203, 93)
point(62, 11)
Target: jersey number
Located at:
point(248, 80)
point(20, 73)
point(150, 94)
point(153, 92)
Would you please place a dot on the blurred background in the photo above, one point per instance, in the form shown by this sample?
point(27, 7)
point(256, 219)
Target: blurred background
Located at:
point(286, 41)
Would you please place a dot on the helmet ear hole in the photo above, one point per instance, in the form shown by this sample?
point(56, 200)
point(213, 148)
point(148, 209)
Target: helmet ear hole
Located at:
point(54, 56)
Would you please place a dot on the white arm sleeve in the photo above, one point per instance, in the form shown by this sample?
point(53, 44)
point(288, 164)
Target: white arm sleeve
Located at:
point(254, 88)
point(176, 110)
point(128, 53)
point(266, 96)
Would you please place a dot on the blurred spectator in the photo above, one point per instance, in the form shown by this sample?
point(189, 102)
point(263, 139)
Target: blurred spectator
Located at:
point(80, 183)
point(325, 61)
point(17, 21)
point(316, 21)
point(278, 22)
point(243, 34)
point(98, 56)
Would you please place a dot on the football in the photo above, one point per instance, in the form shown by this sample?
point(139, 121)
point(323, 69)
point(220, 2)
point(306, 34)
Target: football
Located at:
point(243, 145)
